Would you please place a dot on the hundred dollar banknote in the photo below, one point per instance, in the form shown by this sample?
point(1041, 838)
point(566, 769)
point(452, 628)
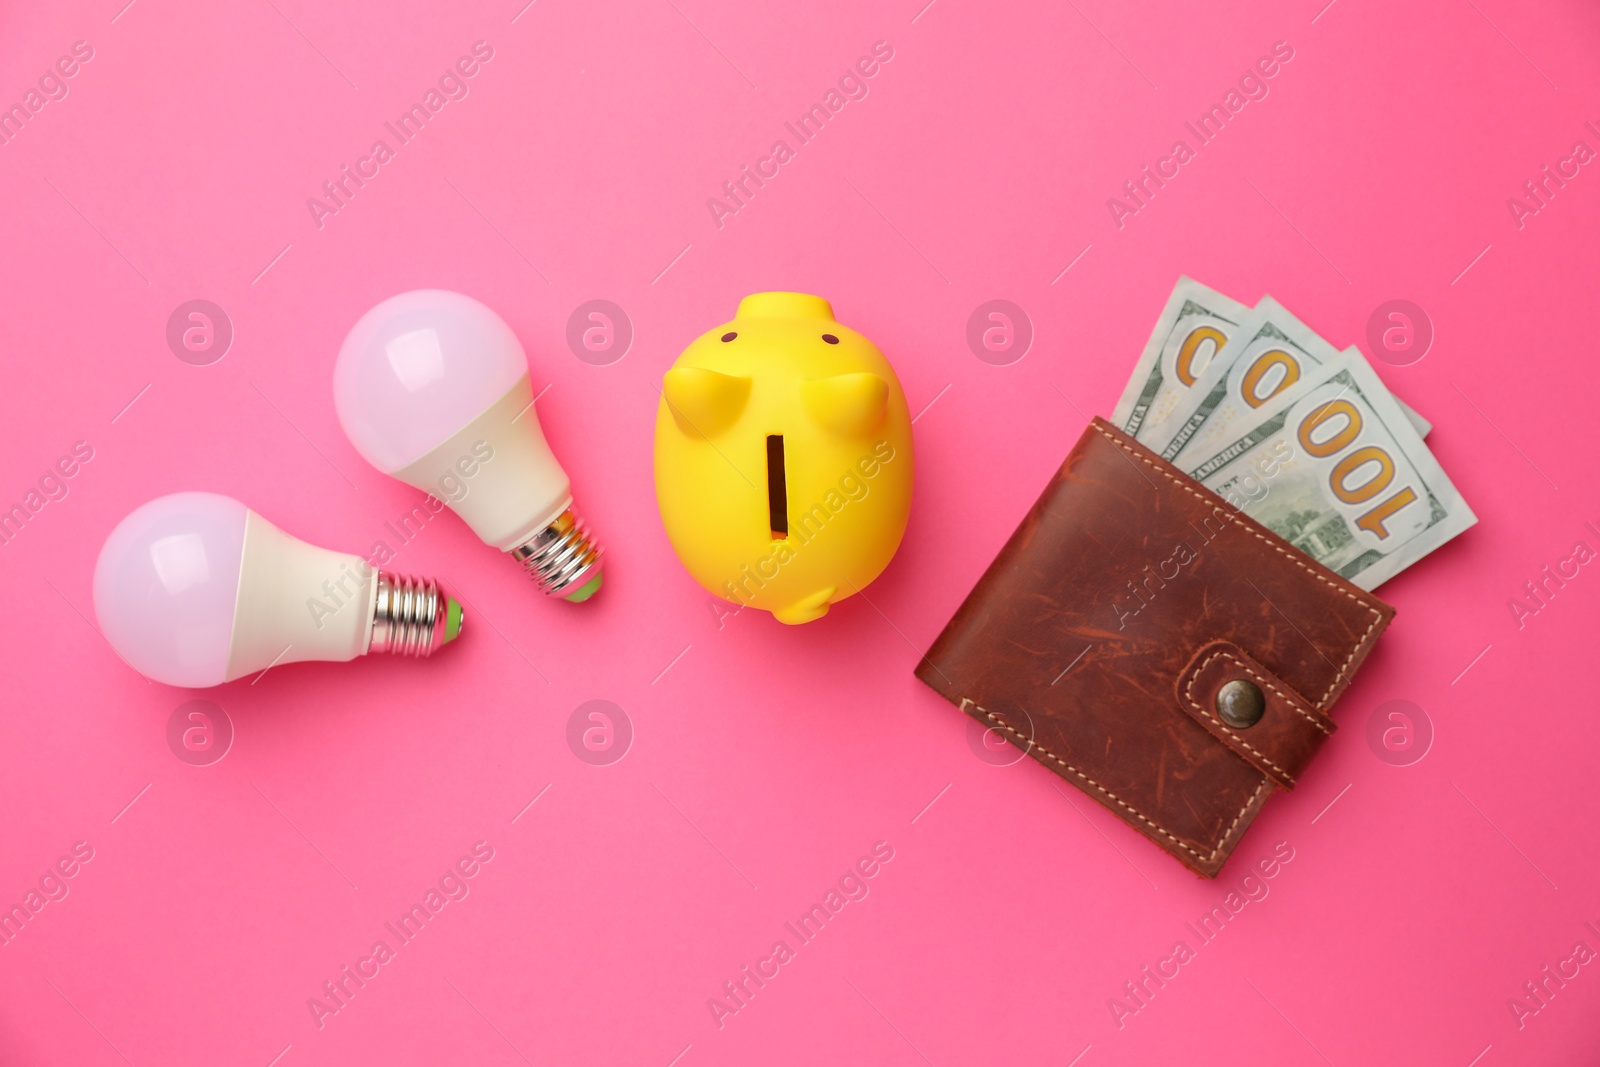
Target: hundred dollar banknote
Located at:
point(1339, 472)
point(1193, 328)
point(1271, 356)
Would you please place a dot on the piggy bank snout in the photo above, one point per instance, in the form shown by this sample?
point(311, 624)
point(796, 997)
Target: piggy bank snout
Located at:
point(784, 306)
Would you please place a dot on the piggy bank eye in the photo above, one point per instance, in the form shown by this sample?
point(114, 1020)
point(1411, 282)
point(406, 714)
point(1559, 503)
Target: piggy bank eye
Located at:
point(730, 335)
point(830, 338)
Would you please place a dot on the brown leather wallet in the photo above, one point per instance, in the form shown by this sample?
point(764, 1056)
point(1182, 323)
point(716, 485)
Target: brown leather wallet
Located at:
point(1149, 643)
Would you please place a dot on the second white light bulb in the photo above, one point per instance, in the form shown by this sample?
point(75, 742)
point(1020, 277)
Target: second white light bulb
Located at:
point(432, 387)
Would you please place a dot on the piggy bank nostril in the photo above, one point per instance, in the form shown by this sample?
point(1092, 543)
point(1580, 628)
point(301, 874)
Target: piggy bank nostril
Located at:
point(730, 335)
point(830, 338)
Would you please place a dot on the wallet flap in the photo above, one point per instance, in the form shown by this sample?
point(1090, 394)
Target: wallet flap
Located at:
point(1249, 709)
point(1074, 642)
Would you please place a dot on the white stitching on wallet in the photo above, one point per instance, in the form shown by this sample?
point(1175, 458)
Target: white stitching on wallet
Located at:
point(1294, 705)
point(1188, 694)
point(1266, 782)
point(1377, 616)
point(1135, 812)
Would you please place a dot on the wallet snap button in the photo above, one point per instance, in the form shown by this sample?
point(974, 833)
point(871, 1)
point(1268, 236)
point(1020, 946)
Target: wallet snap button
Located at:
point(1241, 704)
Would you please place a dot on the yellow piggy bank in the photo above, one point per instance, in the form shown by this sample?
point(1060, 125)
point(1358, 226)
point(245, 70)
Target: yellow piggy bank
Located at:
point(783, 458)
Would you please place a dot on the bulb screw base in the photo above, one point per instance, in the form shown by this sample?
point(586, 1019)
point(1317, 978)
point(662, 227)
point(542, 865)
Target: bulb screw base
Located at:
point(413, 616)
point(563, 558)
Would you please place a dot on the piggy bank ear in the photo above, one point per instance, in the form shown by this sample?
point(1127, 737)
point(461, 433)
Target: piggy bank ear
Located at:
point(704, 402)
point(849, 405)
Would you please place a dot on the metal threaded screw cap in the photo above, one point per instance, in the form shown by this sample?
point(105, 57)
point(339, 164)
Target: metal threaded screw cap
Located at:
point(413, 616)
point(563, 558)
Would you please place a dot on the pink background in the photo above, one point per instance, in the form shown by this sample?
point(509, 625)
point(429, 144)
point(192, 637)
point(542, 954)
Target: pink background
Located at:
point(765, 760)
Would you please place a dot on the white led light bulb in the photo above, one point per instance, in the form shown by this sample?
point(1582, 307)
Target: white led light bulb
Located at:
point(432, 388)
point(195, 589)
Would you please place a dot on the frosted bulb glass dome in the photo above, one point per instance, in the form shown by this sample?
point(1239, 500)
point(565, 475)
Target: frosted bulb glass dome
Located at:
point(166, 585)
point(195, 589)
point(432, 387)
point(419, 367)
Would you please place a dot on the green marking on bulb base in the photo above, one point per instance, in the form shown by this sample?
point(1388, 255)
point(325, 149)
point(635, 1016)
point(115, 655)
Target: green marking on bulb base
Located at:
point(453, 619)
point(589, 589)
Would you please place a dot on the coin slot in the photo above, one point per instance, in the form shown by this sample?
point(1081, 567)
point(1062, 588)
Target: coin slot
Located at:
point(777, 489)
